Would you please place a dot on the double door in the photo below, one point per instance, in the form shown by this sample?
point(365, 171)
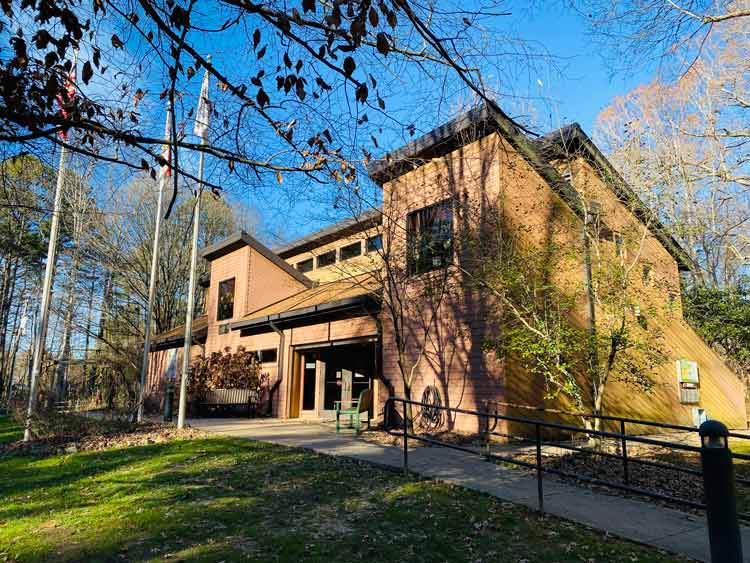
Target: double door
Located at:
point(334, 374)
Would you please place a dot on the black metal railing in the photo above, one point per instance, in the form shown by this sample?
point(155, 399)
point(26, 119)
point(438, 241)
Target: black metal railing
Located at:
point(535, 437)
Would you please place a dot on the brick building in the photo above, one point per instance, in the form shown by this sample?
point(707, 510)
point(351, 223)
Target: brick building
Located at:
point(320, 310)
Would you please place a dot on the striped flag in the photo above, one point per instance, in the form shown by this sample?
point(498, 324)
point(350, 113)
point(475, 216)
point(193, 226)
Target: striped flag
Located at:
point(68, 96)
point(166, 149)
point(203, 115)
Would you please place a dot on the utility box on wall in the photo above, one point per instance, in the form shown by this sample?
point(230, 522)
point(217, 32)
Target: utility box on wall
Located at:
point(688, 381)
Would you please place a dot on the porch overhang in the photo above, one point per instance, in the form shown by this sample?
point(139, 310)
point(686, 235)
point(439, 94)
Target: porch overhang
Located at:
point(199, 337)
point(341, 308)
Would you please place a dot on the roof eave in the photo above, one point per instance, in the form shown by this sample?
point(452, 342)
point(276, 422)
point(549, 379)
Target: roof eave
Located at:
point(240, 239)
point(368, 219)
point(366, 302)
point(573, 136)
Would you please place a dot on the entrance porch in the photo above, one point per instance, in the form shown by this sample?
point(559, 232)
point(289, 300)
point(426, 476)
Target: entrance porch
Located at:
point(326, 374)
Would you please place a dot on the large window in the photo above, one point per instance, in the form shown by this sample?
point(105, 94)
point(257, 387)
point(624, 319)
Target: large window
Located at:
point(326, 259)
point(429, 234)
point(351, 250)
point(226, 300)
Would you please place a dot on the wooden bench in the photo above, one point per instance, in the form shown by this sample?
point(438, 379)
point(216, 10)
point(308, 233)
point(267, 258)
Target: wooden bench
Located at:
point(358, 406)
point(224, 400)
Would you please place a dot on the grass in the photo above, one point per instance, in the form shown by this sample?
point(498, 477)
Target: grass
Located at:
point(10, 431)
point(742, 469)
point(220, 499)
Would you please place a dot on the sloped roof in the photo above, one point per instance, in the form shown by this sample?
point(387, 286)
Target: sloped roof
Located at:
point(572, 140)
point(346, 292)
point(368, 218)
point(240, 239)
point(485, 119)
point(176, 337)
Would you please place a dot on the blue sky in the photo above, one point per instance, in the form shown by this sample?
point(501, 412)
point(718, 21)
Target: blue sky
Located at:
point(575, 87)
point(578, 87)
point(585, 84)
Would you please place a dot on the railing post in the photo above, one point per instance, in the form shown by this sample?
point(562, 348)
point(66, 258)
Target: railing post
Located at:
point(406, 449)
point(718, 485)
point(539, 491)
point(624, 445)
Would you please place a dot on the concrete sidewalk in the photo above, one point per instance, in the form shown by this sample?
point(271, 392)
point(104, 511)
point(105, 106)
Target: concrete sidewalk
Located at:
point(640, 521)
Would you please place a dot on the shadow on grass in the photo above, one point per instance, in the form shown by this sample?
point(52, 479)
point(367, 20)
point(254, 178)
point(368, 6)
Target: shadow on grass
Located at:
point(10, 430)
point(235, 500)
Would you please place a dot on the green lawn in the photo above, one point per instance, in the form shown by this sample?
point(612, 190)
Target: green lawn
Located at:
point(9, 430)
point(231, 500)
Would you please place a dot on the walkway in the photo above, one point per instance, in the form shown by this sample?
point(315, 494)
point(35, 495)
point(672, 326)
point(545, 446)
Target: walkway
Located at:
point(635, 520)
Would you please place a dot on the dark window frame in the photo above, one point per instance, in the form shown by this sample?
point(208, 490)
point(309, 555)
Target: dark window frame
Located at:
point(225, 311)
point(304, 269)
point(429, 237)
point(349, 247)
point(325, 255)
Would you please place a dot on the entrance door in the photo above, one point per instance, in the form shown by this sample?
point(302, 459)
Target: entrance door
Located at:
point(348, 371)
point(309, 372)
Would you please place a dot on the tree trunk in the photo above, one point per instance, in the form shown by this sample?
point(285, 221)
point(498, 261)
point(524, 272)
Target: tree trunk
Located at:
point(89, 322)
point(408, 411)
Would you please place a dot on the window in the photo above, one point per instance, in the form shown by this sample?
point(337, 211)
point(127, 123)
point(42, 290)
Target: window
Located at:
point(646, 274)
point(267, 356)
point(429, 235)
point(226, 300)
point(305, 266)
point(375, 243)
point(326, 259)
point(594, 215)
point(619, 245)
point(350, 251)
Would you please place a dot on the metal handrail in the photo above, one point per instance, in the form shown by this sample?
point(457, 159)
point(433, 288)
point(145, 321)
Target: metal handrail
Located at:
point(641, 422)
point(538, 466)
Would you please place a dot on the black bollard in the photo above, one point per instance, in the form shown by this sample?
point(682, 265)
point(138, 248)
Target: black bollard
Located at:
point(168, 399)
point(721, 504)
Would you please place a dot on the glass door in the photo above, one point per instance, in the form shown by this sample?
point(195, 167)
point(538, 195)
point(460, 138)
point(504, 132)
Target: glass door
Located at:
point(348, 371)
point(308, 381)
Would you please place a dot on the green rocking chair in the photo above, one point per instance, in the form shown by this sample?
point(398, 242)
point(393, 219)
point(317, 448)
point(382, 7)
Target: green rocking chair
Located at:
point(358, 406)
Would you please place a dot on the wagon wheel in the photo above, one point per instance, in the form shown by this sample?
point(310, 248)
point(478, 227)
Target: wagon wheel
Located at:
point(431, 417)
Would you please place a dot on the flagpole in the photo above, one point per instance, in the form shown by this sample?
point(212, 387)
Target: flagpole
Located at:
point(152, 281)
point(202, 117)
point(191, 295)
point(43, 320)
point(49, 268)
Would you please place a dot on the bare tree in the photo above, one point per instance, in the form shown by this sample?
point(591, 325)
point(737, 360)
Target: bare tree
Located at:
point(312, 80)
point(669, 31)
point(682, 146)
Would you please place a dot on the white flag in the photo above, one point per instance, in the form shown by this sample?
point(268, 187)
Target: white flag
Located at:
point(203, 115)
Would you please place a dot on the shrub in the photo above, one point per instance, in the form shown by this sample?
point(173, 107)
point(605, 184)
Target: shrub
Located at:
point(226, 370)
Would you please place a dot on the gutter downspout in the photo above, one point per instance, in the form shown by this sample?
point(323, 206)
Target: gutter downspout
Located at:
point(280, 364)
point(379, 362)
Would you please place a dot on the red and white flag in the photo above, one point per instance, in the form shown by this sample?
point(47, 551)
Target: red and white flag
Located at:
point(68, 96)
point(203, 115)
point(166, 149)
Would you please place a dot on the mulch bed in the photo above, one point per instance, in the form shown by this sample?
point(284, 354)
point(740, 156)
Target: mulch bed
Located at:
point(97, 436)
